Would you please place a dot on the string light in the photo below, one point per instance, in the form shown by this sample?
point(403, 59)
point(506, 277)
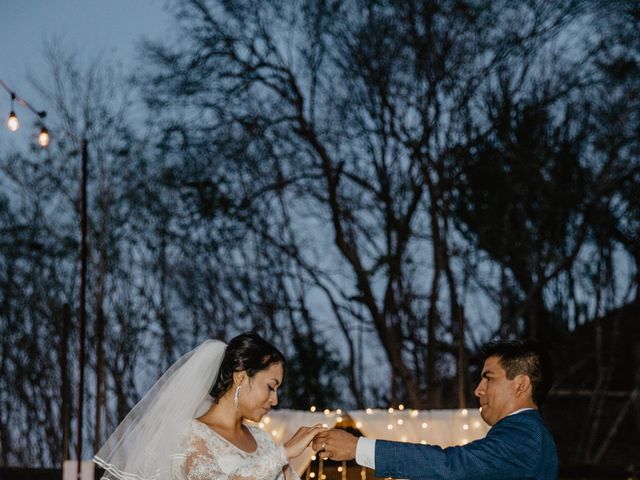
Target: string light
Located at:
point(43, 138)
point(467, 421)
point(13, 124)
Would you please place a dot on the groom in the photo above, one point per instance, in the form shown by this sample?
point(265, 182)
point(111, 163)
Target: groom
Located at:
point(515, 380)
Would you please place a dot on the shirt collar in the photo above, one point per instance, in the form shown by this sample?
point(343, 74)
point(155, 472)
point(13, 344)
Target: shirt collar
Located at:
point(521, 410)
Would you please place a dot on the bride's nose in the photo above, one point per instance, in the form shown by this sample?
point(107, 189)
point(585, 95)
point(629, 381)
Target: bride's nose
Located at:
point(273, 399)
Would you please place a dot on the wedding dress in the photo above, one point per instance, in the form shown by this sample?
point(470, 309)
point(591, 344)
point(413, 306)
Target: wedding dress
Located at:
point(206, 455)
point(161, 440)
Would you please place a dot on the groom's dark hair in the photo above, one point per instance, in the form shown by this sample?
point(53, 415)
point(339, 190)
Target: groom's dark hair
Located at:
point(249, 352)
point(524, 357)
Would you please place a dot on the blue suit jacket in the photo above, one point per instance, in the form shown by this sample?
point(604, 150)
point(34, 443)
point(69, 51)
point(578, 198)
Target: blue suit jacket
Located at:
point(518, 446)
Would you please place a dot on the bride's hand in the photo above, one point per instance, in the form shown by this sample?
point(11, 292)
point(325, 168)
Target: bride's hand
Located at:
point(301, 440)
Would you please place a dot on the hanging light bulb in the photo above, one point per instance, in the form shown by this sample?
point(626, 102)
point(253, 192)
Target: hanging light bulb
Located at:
point(43, 138)
point(12, 123)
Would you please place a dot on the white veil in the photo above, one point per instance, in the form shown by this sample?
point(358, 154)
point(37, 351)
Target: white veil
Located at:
point(144, 444)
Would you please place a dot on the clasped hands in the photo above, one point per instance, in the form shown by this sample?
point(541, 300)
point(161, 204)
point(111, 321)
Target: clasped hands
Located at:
point(335, 444)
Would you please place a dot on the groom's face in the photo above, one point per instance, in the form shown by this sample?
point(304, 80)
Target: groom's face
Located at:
point(497, 394)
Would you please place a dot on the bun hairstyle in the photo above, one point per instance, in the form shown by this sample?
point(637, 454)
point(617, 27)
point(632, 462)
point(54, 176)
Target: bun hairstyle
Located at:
point(247, 352)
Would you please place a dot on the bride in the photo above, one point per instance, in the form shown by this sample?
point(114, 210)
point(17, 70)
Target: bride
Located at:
point(191, 423)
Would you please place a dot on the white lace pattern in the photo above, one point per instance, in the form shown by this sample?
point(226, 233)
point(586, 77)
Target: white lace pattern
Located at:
point(206, 455)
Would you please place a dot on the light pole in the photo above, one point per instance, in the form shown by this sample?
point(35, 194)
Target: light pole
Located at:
point(83, 289)
point(43, 140)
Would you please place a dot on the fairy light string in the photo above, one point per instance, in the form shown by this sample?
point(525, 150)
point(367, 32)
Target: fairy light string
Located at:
point(13, 123)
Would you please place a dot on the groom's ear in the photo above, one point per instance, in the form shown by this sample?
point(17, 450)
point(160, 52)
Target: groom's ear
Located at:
point(523, 384)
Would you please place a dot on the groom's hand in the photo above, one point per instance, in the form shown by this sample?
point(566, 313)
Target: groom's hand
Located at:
point(335, 444)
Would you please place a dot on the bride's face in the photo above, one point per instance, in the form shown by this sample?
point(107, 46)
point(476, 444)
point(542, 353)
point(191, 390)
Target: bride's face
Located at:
point(260, 392)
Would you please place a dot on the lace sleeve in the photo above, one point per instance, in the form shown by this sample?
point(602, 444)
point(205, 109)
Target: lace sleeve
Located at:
point(289, 473)
point(198, 463)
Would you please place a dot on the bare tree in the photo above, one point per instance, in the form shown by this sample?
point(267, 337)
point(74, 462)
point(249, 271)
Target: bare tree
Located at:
point(354, 114)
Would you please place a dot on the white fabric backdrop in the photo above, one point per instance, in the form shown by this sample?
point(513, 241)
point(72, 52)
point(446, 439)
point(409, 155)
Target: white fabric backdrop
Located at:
point(438, 427)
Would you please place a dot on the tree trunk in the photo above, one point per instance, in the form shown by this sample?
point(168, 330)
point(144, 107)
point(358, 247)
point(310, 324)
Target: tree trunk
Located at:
point(100, 393)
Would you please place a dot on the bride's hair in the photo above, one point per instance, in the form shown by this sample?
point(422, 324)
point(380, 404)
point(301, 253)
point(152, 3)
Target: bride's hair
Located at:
point(247, 352)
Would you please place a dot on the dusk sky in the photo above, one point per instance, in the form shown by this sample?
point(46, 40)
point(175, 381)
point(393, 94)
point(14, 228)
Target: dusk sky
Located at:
point(110, 28)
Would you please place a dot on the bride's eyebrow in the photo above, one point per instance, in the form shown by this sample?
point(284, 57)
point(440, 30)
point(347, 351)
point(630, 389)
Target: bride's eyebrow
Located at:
point(276, 380)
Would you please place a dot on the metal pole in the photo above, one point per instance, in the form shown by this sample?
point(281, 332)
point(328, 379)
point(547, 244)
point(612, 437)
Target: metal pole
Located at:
point(83, 289)
point(65, 388)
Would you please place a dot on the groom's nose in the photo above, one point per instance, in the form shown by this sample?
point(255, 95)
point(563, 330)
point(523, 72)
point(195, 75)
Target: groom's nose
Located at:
point(479, 391)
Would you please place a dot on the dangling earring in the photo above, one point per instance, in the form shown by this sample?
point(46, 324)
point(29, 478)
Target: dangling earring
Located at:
point(236, 397)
